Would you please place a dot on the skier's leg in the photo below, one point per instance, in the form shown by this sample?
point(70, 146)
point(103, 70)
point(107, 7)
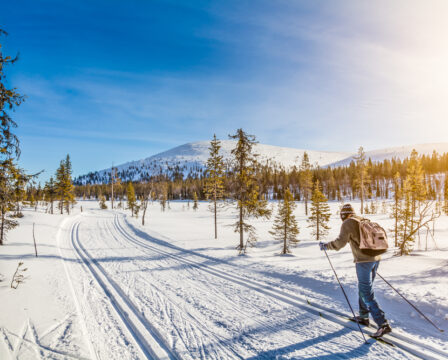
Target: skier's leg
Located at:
point(363, 309)
point(365, 272)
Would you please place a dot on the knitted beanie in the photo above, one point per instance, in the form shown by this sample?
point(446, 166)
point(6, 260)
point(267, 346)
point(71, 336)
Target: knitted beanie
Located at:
point(346, 211)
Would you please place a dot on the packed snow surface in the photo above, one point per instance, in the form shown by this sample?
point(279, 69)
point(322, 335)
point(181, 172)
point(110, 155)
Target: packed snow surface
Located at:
point(106, 287)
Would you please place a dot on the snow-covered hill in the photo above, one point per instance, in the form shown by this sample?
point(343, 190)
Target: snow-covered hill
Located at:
point(400, 152)
point(190, 158)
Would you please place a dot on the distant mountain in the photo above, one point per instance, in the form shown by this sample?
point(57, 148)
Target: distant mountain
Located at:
point(190, 159)
point(401, 152)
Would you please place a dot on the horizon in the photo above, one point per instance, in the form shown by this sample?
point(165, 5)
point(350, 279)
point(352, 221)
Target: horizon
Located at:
point(107, 84)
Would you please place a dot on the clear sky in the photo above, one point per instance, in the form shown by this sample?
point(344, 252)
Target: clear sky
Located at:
point(114, 81)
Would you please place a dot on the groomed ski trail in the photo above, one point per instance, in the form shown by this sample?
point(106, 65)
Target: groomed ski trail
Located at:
point(406, 343)
point(145, 337)
point(199, 314)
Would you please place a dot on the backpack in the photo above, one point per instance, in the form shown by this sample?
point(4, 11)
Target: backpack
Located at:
point(372, 238)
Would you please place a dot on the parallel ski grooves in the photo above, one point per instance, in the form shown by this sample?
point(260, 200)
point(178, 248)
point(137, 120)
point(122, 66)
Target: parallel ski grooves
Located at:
point(152, 346)
point(402, 342)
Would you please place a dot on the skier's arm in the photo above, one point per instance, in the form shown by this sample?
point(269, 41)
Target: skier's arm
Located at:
point(342, 239)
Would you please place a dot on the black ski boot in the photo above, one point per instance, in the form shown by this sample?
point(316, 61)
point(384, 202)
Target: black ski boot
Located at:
point(361, 320)
point(382, 330)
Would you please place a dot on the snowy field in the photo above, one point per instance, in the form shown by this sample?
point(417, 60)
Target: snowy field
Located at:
point(104, 287)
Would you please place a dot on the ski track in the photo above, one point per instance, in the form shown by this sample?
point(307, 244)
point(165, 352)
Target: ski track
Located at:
point(146, 339)
point(203, 310)
point(400, 340)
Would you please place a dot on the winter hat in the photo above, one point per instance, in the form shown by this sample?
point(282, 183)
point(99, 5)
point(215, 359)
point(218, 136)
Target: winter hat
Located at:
point(346, 211)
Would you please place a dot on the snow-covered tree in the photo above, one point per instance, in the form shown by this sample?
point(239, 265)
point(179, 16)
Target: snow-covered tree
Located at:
point(245, 188)
point(285, 227)
point(214, 181)
point(320, 213)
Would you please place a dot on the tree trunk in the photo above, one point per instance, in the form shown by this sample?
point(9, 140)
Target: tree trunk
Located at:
point(145, 205)
point(284, 241)
point(241, 227)
point(216, 225)
point(2, 227)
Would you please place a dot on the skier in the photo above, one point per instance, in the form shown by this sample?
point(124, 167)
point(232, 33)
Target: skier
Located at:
point(366, 268)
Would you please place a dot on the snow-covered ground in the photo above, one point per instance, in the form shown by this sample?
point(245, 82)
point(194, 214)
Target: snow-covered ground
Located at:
point(105, 287)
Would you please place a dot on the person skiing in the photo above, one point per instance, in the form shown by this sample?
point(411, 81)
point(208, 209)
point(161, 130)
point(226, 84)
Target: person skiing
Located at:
point(366, 268)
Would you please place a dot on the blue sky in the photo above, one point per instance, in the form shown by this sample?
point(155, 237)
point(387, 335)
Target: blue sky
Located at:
point(112, 81)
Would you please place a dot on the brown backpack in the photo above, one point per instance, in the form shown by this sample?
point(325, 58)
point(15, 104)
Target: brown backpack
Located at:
point(372, 238)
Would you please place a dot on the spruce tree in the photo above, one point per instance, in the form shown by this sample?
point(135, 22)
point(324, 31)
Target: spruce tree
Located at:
point(50, 191)
point(445, 195)
point(9, 145)
point(306, 180)
point(102, 202)
point(214, 181)
point(320, 214)
point(285, 228)
point(396, 206)
point(132, 201)
point(414, 191)
point(362, 175)
point(69, 193)
point(164, 197)
point(245, 188)
point(195, 201)
point(64, 185)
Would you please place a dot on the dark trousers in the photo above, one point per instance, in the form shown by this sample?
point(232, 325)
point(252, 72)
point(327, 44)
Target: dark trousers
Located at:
point(366, 273)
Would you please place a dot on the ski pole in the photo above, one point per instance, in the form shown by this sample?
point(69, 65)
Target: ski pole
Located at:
point(346, 297)
point(416, 309)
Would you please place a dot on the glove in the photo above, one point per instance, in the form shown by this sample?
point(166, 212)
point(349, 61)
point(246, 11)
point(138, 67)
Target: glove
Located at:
point(322, 246)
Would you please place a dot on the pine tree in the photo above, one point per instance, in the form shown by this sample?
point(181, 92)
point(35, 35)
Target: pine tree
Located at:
point(195, 201)
point(64, 185)
point(415, 191)
point(132, 201)
point(246, 190)
point(396, 207)
point(362, 175)
point(164, 197)
point(445, 195)
point(50, 191)
point(285, 227)
point(320, 213)
point(102, 201)
point(214, 181)
point(306, 180)
point(9, 146)
point(69, 193)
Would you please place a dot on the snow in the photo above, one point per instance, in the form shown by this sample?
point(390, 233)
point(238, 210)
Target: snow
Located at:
point(105, 287)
